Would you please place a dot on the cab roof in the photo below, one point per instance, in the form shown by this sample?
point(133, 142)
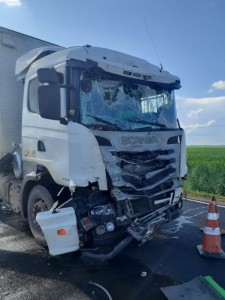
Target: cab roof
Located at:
point(109, 60)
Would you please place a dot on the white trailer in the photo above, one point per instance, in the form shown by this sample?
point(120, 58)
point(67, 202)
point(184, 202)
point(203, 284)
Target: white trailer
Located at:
point(97, 131)
point(12, 45)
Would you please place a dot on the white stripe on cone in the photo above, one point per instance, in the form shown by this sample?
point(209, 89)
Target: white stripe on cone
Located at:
point(212, 231)
point(212, 216)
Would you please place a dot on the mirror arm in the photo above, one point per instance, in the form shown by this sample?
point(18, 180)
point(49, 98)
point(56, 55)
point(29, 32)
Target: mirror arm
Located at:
point(64, 121)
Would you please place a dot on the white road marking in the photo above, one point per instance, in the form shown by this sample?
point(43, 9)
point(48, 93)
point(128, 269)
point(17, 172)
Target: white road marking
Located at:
point(202, 202)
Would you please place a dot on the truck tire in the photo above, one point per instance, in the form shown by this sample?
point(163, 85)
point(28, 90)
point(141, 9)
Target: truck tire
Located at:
point(39, 200)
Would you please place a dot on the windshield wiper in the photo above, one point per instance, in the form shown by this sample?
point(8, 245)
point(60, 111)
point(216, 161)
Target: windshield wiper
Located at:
point(147, 123)
point(104, 121)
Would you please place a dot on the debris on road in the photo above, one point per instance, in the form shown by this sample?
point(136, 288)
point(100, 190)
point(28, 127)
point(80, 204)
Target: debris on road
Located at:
point(144, 274)
point(102, 288)
point(5, 208)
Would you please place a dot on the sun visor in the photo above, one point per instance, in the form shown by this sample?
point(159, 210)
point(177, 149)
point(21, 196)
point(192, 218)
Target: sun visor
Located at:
point(23, 62)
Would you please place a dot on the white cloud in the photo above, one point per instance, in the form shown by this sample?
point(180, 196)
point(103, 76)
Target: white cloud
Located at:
point(210, 91)
point(192, 127)
point(209, 100)
point(11, 2)
point(219, 85)
point(194, 113)
point(180, 98)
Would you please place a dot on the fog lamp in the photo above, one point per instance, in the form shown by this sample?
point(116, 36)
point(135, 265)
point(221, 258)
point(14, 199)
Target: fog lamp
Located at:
point(110, 226)
point(100, 230)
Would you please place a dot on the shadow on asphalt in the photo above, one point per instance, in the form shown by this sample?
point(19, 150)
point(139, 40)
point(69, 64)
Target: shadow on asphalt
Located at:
point(123, 277)
point(14, 220)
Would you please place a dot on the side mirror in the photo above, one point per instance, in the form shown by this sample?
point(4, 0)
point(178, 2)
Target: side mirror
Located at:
point(46, 75)
point(49, 101)
point(49, 93)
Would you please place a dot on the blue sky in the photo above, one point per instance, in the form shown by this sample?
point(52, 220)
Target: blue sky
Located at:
point(189, 36)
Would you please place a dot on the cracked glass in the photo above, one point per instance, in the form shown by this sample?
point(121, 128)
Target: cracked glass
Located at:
point(126, 105)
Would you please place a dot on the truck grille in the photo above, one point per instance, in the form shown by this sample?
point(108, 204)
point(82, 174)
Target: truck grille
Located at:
point(147, 169)
point(141, 177)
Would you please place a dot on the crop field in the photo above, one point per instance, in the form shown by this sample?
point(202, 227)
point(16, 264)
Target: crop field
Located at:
point(206, 171)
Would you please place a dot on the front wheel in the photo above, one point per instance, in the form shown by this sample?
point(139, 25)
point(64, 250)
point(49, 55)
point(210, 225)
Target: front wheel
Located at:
point(39, 200)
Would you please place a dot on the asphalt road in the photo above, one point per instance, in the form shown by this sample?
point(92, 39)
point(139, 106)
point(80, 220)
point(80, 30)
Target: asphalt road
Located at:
point(27, 271)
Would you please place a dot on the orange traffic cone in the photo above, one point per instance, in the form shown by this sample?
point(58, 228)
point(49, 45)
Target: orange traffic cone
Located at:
point(211, 244)
point(222, 231)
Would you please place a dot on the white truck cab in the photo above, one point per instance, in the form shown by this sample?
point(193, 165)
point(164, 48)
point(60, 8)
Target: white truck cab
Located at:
point(100, 135)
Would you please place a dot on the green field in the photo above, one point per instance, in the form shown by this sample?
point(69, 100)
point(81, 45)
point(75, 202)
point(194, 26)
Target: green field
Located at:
point(206, 171)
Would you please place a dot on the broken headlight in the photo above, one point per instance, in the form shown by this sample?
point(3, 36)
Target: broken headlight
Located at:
point(103, 210)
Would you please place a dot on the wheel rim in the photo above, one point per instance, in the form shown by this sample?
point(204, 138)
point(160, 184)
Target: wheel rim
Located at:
point(39, 206)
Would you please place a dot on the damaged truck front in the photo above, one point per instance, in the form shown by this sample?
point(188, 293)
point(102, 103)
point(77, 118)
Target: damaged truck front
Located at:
point(101, 153)
point(126, 150)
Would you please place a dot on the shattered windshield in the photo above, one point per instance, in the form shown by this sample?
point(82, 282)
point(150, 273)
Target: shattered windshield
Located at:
point(125, 105)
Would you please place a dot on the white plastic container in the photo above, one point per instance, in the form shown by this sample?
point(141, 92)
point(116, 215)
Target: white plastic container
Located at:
point(60, 230)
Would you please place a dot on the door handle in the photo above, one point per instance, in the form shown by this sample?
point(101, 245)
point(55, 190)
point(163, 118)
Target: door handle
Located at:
point(41, 146)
